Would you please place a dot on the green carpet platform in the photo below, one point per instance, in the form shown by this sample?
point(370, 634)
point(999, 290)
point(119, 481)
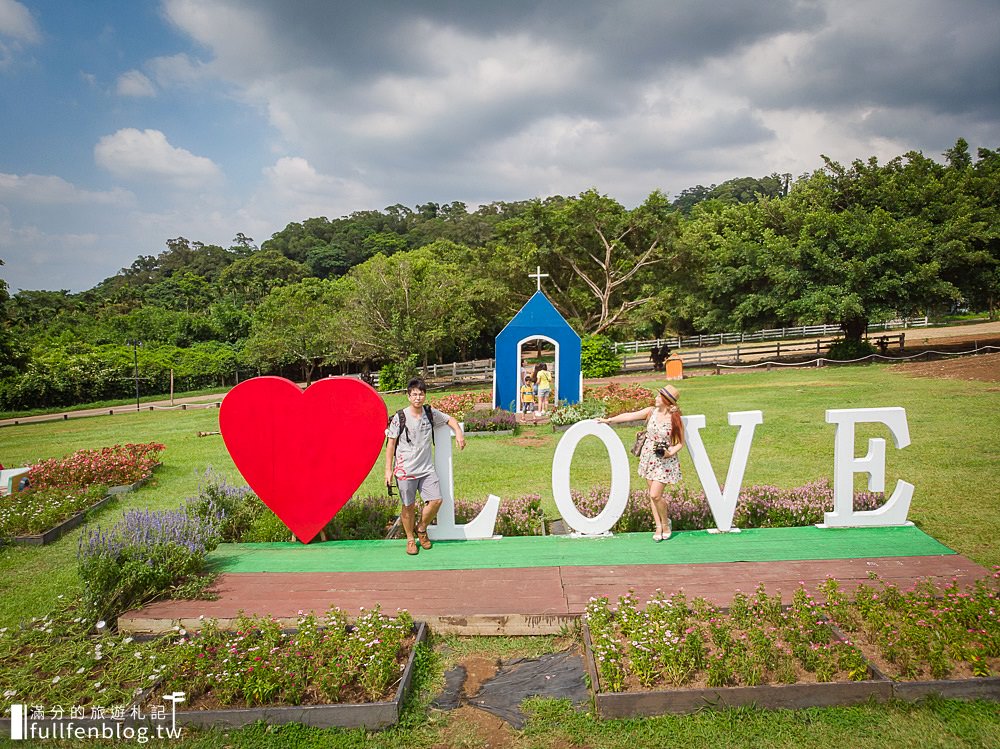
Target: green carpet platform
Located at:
point(540, 584)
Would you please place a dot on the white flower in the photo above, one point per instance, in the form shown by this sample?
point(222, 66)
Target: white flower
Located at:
point(80, 670)
point(10, 693)
point(56, 679)
point(126, 641)
point(102, 624)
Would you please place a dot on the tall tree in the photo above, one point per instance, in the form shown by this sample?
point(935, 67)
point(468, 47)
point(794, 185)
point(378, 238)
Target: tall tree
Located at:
point(410, 303)
point(603, 259)
point(295, 324)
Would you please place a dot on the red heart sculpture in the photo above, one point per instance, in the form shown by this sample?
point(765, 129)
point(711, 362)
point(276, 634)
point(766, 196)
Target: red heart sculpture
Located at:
point(304, 454)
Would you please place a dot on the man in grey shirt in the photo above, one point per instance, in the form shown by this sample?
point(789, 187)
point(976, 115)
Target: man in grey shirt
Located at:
point(409, 458)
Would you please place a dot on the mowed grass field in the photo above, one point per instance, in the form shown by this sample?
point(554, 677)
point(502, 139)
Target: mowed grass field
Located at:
point(953, 460)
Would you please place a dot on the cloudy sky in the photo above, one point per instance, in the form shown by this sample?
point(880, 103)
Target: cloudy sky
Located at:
point(126, 123)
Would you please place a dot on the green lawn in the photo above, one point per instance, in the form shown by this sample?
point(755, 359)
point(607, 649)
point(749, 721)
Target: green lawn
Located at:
point(953, 461)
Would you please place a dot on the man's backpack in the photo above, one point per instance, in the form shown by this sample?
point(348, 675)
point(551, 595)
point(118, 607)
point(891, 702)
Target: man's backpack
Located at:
point(401, 416)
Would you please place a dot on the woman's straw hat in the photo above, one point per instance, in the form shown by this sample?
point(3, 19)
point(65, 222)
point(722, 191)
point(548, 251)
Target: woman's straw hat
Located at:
point(670, 393)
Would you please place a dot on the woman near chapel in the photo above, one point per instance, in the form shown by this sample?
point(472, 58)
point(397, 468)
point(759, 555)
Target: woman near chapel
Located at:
point(544, 382)
point(658, 461)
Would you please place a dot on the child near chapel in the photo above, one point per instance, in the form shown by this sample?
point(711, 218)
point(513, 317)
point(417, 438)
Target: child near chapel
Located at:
point(528, 396)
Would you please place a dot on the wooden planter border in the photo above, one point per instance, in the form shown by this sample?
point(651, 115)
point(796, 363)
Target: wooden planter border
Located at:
point(963, 689)
point(502, 432)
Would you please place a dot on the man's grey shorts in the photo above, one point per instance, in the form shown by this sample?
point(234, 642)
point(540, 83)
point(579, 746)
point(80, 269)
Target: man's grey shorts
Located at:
point(429, 487)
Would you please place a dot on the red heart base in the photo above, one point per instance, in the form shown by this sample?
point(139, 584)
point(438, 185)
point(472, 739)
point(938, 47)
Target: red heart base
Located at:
point(303, 453)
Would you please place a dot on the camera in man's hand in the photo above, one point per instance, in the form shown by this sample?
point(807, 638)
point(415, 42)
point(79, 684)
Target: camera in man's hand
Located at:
point(660, 449)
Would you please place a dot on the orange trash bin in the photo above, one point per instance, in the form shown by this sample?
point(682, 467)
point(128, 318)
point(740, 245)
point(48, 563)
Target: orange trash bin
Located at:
point(675, 368)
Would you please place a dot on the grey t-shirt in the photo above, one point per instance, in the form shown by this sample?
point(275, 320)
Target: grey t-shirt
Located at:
point(413, 448)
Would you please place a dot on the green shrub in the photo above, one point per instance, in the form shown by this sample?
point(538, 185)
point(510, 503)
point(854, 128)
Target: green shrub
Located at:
point(598, 357)
point(845, 350)
point(363, 518)
point(395, 375)
point(141, 558)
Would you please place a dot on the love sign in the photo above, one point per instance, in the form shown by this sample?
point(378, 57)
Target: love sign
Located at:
point(722, 501)
point(303, 453)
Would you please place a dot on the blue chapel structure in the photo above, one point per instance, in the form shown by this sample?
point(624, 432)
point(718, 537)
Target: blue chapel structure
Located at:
point(537, 319)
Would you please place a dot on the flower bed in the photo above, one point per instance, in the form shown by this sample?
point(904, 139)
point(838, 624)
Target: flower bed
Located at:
point(142, 557)
point(67, 658)
point(672, 656)
point(243, 518)
point(323, 673)
point(320, 663)
point(119, 465)
point(496, 420)
point(672, 643)
point(520, 516)
point(925, 632)
point(618, 398)
point(758, 506)
point(35, 511)
point(460, 405)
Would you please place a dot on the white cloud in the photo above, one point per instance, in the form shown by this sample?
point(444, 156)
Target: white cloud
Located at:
point(294, 190)
point(134, 83)
point(146, 155)
point(172, 70)
point(51, 190)
point(17, 22)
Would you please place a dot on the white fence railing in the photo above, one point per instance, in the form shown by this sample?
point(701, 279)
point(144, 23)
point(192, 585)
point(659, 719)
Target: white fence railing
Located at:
point(721, 339)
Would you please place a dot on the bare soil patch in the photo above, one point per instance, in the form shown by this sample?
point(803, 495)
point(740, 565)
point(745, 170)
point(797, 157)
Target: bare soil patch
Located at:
point(477, 670)
point(981, 367)
point(470, 727)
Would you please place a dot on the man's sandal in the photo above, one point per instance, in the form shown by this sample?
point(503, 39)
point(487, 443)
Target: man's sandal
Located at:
point(411, 547)
point(425, 542)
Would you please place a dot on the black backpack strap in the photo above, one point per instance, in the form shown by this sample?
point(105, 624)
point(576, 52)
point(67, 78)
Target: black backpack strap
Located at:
point(401, 418)
point(430, 418)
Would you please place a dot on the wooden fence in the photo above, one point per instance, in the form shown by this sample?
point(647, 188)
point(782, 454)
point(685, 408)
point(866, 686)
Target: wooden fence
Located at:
point(720, 339)
point(743, 353)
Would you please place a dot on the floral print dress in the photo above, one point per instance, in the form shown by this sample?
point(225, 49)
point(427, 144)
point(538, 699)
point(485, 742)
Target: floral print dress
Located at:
point(665, 470)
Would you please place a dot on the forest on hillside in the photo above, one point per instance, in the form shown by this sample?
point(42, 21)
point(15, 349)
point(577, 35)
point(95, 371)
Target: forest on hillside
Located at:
point(844, 244)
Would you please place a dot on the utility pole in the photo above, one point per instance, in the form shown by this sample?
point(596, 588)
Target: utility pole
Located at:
point(135, 344)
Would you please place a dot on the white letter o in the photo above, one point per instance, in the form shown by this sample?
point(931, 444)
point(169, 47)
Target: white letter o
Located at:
point(605, 521)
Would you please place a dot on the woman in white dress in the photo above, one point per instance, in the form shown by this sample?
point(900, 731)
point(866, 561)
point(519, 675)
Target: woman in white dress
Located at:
point(658, 461)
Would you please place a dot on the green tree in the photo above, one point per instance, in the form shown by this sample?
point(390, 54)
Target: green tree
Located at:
point(5, 332)
point(296, 324)
point(411, 303)
point(848, 245)
point(252, 278)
